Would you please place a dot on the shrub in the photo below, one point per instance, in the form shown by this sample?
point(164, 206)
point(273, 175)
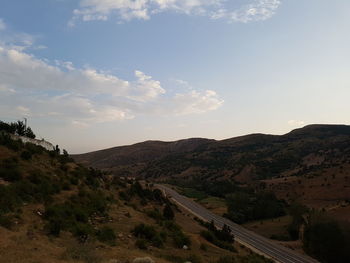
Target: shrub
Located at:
point(155, 214)
point(82, 252)
point(168, 212)
point(53, 227)
point(210, 237)
point(106, 235)
point(324, 240)
point(180, 239)
point(10, 174)
point(25, 155)
point(148, 233)
point(144, 231)
point(141, 244)
point(194, 259)
point(6, 221)
point(157, 241)
point(203, 247)
point(34, 149)
point(82, 231)
point(6, 140)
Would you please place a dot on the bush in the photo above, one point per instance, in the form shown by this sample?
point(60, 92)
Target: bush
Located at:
point(82, 231)
point(180, 239)
point(194, 259)
point(6, 221)
point(148, 233)
point(155, 214)
point(324, 240)
point(210, 237)
point(203, 247)
point(25, 155)
point(144, 231)
point(107, 235)
point(168, 212)
point(6, 140)
point(53, 227)
point(10, 174)
point(82, 252)
point(141, 244)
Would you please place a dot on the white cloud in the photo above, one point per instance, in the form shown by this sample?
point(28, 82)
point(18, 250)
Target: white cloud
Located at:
point(2, 25)
point(257, 10)
point(23, 111)
point(295, 123)
point(233, 11)
point(83, 96)
point(197, 102)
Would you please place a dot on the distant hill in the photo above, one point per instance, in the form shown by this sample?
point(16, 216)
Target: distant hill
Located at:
point(255, 156)
point(311, 164)
point(139, 152)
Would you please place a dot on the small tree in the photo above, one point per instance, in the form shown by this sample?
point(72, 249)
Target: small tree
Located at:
point(65, 153)
point(20, 128)
point(29, 133)
point(57, 150)
point(168, 213)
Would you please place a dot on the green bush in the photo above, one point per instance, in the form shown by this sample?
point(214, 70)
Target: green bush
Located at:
point(144, 231)
point(6, 140)
point(141, 244)
point(82, 231)
point(25, 155)
point(6, 221)
point(10, 174)
point(203, 247)
point(34, 149)
point(107, 235)
point(82, 252)
point(155, 214)
point(54, 227)
point(149, 233)
point(325, 239)
point(210, 237)
point(168, 212)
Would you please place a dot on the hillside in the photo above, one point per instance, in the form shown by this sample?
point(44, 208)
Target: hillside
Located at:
point(256, 178)
point(54, 210)
point(138, 153)
point(242, 159)
point(316, 158)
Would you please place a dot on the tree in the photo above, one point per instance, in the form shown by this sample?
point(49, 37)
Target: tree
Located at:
point(6, 127)
point(29, 133)
point(65, 153)
point(57, 150)
point(168, 212)
point(325, 240)
point(19, 127)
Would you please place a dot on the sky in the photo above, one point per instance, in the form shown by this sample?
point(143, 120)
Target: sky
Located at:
point(94, 74)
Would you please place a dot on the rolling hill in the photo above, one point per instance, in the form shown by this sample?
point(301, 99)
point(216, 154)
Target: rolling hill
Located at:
point(55, 210)
point(310, 164)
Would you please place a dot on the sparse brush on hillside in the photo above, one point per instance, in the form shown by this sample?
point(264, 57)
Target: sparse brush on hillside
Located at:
point(18, 128)
point(53, 199)
point(326, 240)
point(222, 238)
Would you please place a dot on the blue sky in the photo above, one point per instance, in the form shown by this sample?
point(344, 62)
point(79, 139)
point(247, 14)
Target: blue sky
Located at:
point(91, 74)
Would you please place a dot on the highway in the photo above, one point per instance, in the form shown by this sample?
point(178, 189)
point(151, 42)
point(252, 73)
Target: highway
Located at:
point(248, 238)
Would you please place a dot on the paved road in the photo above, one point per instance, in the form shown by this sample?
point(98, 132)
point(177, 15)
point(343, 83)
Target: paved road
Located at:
point(258, 243)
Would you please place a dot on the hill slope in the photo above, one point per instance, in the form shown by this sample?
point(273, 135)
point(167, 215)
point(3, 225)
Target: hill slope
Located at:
point(54, 210)
point(244, 158)
point(138, 153)
point(310, 164)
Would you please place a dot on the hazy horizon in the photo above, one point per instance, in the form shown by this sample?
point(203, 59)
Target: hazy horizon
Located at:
point(94, 74)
